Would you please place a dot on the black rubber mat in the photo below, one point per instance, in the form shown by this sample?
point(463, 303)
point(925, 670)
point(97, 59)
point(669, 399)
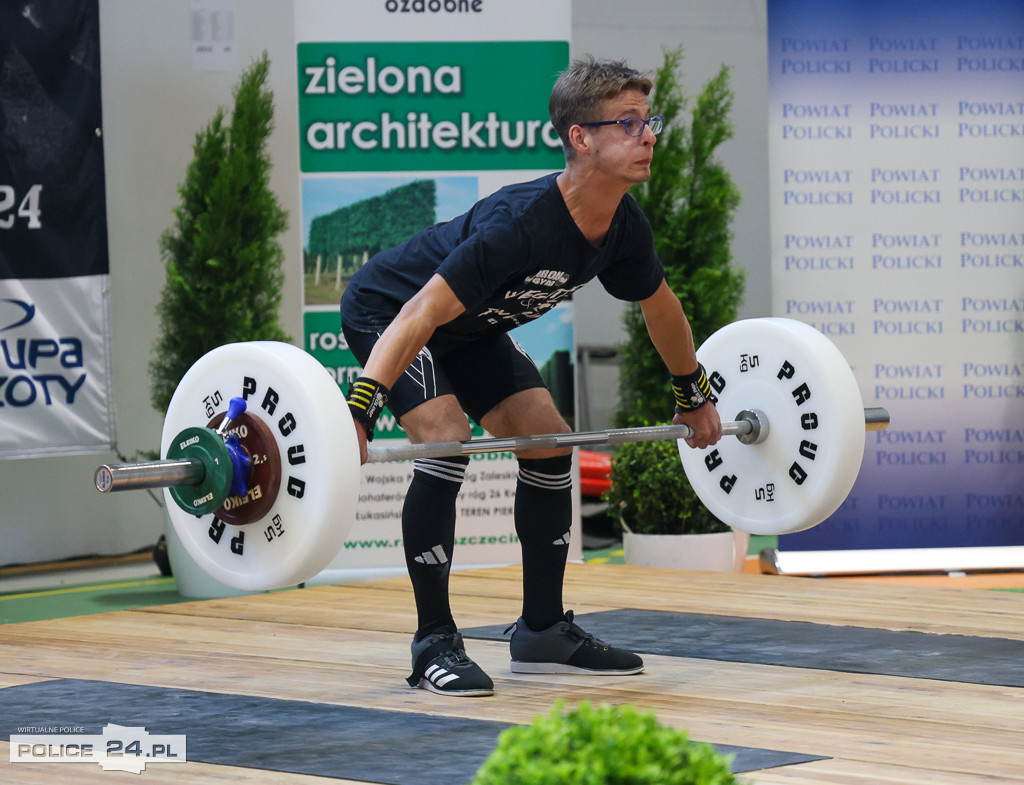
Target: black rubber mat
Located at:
point(919, 655)
point(293, 736)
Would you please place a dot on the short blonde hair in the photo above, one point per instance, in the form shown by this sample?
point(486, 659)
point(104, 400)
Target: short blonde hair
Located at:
point(582, 88)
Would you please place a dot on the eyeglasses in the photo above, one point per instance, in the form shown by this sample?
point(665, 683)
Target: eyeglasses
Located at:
point(634, 126)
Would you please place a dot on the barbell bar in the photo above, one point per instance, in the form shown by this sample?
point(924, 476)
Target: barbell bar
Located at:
point(294, 470)
point(191, 471)
point(750, 427)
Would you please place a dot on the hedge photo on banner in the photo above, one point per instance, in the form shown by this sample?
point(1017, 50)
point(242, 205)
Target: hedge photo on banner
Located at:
point(54, 310)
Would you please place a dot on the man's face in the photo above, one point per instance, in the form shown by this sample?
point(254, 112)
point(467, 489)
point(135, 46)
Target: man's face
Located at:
point(613, 151)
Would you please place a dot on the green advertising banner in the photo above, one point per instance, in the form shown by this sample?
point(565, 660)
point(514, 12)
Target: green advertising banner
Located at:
point(407, 119)
point(416, 106)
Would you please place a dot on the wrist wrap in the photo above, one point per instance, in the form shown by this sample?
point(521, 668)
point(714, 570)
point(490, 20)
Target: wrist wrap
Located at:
point(692, 390)
point(366, 400)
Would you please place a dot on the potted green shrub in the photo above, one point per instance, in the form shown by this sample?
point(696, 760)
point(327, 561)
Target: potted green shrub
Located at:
point(690, 200)
point(223, 263)
point(663, 522)
point(610, 745)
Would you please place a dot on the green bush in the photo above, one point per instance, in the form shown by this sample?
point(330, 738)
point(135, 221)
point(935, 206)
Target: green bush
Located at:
point(690, 200)
point(223, 260)
point(650, 492)
point(606, 745)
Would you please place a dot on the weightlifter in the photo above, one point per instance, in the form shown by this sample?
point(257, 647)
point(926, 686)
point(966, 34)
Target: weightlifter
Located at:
point(428, 320)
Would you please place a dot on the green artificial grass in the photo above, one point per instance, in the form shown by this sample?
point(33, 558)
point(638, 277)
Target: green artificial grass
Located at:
point(87, 598)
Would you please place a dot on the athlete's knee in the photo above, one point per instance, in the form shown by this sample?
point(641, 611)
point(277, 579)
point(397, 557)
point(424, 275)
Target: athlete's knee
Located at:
point(436, 420)
point(552, 473)
point(449, 470)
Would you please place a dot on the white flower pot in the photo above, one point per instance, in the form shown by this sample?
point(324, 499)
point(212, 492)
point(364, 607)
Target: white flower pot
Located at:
point(722, 552)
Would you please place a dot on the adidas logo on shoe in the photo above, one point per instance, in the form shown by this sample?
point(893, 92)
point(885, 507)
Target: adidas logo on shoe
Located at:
point(439, 676)
point(441, 665)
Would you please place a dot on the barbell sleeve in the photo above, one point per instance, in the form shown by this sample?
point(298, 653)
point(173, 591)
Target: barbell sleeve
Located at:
point(876, 418)
point(149, 474)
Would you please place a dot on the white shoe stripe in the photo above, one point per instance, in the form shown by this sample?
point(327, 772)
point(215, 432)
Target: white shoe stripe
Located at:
point(439, 676)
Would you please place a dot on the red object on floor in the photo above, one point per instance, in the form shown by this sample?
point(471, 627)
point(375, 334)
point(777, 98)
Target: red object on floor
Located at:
point(595, 471)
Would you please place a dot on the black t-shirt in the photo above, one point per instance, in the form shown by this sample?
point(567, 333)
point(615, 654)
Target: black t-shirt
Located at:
point(510, 259)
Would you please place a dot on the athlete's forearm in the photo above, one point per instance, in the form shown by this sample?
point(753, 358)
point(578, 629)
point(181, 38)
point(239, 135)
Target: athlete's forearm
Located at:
point(395, 350)
point(435, 304)
point(670, 331)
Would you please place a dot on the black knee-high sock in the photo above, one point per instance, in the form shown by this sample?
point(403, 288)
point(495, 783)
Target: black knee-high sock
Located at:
point(428, 536)
point(543, 517)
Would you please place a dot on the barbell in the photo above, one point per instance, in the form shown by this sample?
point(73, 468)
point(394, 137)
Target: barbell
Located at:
point(261, 475)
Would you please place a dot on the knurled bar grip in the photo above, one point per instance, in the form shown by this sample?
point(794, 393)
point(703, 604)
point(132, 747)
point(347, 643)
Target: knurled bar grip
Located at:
point(404, 452)
point(749, 425)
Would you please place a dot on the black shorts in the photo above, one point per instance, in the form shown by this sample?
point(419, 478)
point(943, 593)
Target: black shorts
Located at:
point(480, 374)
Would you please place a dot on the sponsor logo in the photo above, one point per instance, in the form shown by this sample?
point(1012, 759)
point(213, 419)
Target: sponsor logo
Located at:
point(43, 363)
point(119, 748)
point(434, 6)
point(548, 278)
point(24, 313)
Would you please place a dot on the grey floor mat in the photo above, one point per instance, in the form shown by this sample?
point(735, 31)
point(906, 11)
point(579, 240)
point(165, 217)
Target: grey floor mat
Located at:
point(920, 655)
point(294, 736)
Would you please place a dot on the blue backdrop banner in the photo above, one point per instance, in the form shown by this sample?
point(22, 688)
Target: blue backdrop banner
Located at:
point(897, 193)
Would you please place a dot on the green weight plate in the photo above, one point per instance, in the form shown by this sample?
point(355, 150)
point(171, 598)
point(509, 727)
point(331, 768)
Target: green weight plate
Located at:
point(208, 447)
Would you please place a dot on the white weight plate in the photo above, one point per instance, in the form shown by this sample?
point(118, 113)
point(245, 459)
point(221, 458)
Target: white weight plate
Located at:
point(305, 410)
point(807, 465)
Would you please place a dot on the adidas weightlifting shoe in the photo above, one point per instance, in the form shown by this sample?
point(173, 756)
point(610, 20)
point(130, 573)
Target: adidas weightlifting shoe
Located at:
point(440, 664)
point(566, 648)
